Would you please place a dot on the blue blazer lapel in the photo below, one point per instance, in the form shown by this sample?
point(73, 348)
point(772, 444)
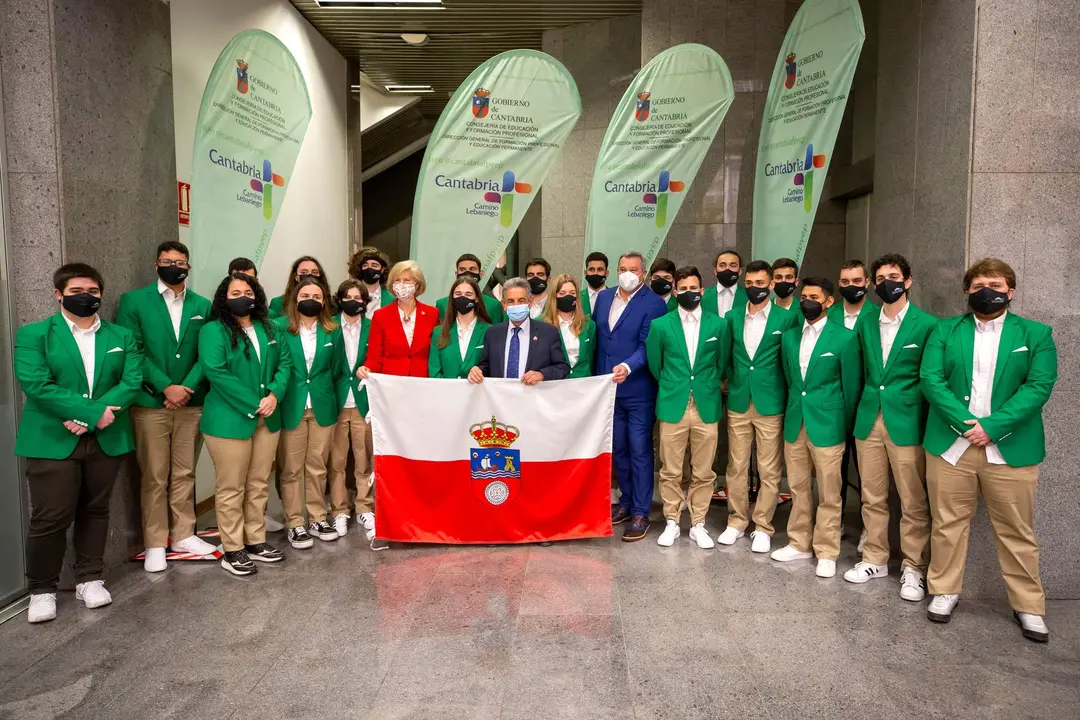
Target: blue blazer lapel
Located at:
point(628, 309)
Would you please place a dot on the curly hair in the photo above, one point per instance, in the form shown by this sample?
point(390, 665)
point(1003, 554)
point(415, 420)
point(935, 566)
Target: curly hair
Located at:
point(220, 311)
point(356, 262)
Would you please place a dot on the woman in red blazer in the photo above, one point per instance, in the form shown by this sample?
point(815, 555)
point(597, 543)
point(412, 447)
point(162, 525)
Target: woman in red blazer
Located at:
point(400, 336)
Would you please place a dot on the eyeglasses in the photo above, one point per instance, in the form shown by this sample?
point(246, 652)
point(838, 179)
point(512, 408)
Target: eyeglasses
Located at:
point(182, 264)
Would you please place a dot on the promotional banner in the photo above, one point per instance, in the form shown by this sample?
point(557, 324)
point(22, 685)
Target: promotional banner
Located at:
point(653, 148)
point(807, 95)
point(487, 158)
point(498, 462)
point(254, 115)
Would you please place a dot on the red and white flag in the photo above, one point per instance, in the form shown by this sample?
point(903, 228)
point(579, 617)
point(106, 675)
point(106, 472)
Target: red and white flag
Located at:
point(498, 462)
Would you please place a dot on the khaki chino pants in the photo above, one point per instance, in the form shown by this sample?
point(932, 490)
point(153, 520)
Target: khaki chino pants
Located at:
point(165, 446)
point(1009, 493)
point(243, 469)
point(801, 457)
point(701, 437)
point(304, 450)
point(350, 433)
point(877, 454)
point(742, 429)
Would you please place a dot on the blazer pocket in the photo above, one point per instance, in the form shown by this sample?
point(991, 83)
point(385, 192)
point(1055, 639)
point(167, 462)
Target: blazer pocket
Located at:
point(827, 355)
point(832, 404)
point(712, 339)
point(777, 332)
point(329, 344)
point(196, 317)
point(912, 346)
point(115, 349)
point(1019, 349)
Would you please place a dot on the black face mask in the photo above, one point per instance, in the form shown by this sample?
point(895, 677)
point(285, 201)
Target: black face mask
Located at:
point(660, 286)
point(889, 291)
point(352, 308)
point(464, 304)
point(240, 306)
point(756, 295)
point(537, 286)
point(371, 275)
point(566, 303)
point(596, 281)
point(784, 289)
point(470, 274)
point(172, 275)
point(688, 300)
point(987, 301)
point(811, 309)
point(82, 305)
point(853, 293)
point(727, 278)
point(309, 308)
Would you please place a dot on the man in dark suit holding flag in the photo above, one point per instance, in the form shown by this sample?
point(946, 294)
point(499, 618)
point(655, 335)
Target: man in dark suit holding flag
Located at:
point(519, 347)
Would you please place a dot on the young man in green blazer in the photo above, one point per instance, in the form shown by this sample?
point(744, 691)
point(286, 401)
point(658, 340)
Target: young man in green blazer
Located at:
point(165, 317)
point(80, 375)
point(370, 266)
point(596, 276)
point(468, 265)
point(889, 427)
point(785, 272)
point(824, 376)
point(687, 352)
point(662, 281)
point(987, 376)
point(728, 293)
point(757, 395)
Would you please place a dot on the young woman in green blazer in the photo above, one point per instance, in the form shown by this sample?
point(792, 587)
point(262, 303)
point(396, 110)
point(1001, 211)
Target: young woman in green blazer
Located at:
point(576, 330)
point(241, 357)
point(302, 267)
point(457, 341)
point(312, 340)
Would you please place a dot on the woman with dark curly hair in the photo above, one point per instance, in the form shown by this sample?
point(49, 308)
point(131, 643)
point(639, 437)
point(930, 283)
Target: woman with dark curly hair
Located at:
point(369, 265)
point(248, 374)
point(304, 266)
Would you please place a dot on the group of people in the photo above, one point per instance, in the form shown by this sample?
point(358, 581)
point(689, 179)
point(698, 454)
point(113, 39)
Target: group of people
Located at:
point(950, 408)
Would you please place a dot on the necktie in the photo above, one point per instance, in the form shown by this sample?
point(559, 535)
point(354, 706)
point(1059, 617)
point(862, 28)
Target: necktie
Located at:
point(515, 355)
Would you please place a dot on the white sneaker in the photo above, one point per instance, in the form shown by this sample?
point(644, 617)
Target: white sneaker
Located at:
point(154, 560)
point(761, 542)
point(941, 608)
point(341, 524)
point(729, 536)
point(273, 525)
point(825, 568)
point(862, 541)
point(194, 545)
point(366, 521)
point(864, 572)
point(1033, 627)
point(93, 594)
point(700, 535)
point(42, 608)
point(789, 553)
point(370, 534)
point(670, 535)
point(912, 585)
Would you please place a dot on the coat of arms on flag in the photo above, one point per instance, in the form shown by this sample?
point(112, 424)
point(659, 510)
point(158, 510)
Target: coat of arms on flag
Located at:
point(496, 469)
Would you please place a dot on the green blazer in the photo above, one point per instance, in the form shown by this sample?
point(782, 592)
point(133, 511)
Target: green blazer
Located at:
point(708, 299)
point(447, 363)
point(665, 350)
point(166, 361)
point(586, 351)
point(825, 402)
point(239, 381)
point(348, 380)
point(1024, 377)
point(761, 380)
point(277, 307)
point(50, 370)
point(672, 303)
point(493, 307)
point(836, 312)
point(583, 300)
point(892, 388)
point(320, 382)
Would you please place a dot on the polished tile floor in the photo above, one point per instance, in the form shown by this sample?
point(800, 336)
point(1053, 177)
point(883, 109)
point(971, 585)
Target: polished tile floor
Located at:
point(596, 629)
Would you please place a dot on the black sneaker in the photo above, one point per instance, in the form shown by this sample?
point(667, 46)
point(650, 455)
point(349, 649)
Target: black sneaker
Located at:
point(299, 538)
point(264, 553)
point(323, 530)
point(238, 563)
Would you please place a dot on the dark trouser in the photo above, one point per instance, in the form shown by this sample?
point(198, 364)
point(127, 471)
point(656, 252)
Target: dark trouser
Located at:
point(76, 488)
point(632, 452)
point(851, 457)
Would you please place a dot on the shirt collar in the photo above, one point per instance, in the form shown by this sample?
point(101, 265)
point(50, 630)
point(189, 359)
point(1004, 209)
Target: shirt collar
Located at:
point(764, 312)
point(162, 289)
point(351, 326)
point(75, 329)
point(728, 290)
point(693, 315)
point(993, 326)
point(524, 327)
point(462, 326)
point(884, 319)
point(816, 327)
point(314, 330)
point(852, 314)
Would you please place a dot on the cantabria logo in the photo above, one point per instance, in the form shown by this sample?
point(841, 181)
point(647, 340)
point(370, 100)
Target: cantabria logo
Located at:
point(643, 108)
point(806, 177)
point(654, 201)
point(260, 186)
point(498, 197)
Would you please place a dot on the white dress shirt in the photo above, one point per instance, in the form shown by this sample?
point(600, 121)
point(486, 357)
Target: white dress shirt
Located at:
point(592, 297)
point(810, 335)
point(691, 325)
point(618, 305)
point(725, 299)
point(250, 332)
point(754, 328)
point(175, 304)
point(523, 342)
point(889, 329)
point(408, 323)
point(309, 340)
point(350, 332)
point(536, 309)
point(86, 340)
point(851, 318)
point(570, 340)
point(984, 364)
point(374, 301)
point(464, 335)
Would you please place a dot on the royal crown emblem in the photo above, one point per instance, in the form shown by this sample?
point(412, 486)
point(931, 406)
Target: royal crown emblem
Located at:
point(491, 434)
point(481, 92)
point(495, 468)
point(643, 95)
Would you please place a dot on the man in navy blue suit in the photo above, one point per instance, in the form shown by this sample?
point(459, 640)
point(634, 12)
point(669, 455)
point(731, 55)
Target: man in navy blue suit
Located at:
point(623, 316)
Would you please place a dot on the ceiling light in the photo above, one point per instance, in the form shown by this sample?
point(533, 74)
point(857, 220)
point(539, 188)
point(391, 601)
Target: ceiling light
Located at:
point(409, 88)
point(384, 4)
point(415, 39)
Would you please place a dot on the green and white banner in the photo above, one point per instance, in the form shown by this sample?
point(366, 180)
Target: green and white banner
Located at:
point(653, 147)
point(807, 95)
point(487, 158)
point(254, 115)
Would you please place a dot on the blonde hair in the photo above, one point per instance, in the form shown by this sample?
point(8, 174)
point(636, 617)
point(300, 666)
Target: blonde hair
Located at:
point(411, 267)
point(551, 311)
